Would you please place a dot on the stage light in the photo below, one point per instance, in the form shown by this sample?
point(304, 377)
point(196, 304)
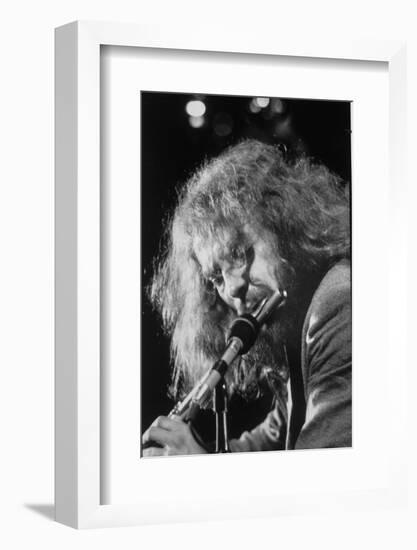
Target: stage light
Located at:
point(195, 108)
point(196, 121)
point(254, 107)
point(262, 102)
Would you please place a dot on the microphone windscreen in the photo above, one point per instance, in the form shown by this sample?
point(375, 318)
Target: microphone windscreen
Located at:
point(245, 328)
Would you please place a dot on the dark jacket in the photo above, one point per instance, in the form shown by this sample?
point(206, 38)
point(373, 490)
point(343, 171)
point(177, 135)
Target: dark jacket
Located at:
point(320, 386)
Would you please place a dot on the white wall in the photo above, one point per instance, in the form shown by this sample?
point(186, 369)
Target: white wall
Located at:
point(26, 275)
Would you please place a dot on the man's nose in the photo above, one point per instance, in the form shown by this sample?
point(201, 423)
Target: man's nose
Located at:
point(236, 284)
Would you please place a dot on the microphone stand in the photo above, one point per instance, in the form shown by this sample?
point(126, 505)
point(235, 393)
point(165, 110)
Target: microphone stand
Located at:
point(220, 411)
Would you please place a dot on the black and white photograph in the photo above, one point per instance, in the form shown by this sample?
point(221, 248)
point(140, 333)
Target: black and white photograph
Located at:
point(208, 264)
point(246, 274)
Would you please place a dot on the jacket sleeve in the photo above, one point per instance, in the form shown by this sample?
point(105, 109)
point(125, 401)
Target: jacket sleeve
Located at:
point(327, 367)
point(268, 436)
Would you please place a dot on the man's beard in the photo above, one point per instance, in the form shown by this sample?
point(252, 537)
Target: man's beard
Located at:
point(264, 367)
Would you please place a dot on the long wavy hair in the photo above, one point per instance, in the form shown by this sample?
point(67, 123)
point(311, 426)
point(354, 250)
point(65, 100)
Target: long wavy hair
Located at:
point(299, 204)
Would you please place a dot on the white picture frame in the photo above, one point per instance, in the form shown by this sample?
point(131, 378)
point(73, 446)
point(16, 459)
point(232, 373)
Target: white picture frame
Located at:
point(78, 404)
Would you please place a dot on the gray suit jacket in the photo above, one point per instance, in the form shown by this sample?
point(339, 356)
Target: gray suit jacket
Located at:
point(322, 416)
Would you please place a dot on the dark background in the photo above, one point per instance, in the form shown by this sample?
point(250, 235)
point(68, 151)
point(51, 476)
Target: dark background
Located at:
point(171, 150)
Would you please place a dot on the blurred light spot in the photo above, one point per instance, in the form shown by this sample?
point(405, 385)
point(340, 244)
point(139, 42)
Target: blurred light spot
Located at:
point(223, 124)
point(283, 128)
point(261, 102)
point(277, 105)
point(254, 107)
point(195, 108)
point(196, 121)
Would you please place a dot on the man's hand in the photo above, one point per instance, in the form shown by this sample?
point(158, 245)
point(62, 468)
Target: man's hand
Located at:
point(174, 436)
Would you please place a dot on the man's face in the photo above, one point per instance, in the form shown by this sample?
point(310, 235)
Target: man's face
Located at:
point(243, 271)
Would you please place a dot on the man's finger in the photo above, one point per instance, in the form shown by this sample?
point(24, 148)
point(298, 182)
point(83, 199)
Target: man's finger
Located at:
point(158, 435)
point(155, 451)
point(166, 423)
